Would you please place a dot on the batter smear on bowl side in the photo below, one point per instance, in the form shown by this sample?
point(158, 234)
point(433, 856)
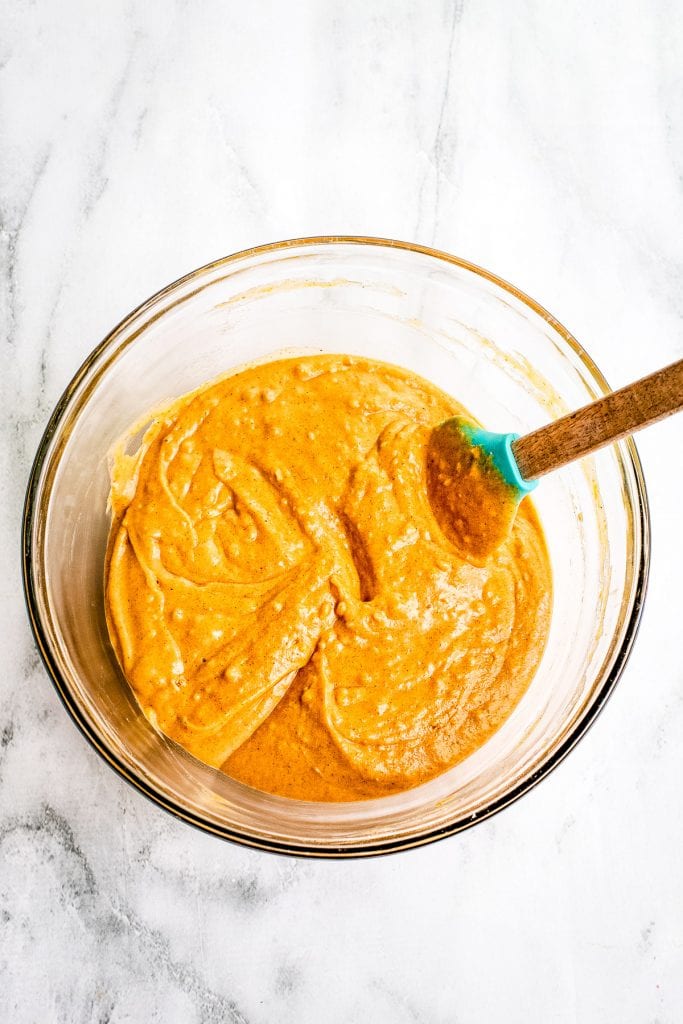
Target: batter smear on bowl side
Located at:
point(283, 601)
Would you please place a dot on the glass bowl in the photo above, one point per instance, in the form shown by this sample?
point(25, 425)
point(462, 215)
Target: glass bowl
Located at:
point(511, 363)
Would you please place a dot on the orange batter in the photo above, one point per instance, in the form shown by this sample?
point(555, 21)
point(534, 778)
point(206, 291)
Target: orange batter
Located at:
point(283, 600)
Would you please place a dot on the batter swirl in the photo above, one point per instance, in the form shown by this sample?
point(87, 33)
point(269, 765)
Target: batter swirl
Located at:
point(282, 600)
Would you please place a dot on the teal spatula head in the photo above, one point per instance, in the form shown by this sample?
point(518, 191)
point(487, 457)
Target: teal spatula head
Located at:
point(497, 448)
point(474, 486)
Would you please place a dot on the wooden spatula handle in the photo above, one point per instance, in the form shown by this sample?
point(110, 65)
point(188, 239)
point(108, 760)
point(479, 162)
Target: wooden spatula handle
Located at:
point(601, 422)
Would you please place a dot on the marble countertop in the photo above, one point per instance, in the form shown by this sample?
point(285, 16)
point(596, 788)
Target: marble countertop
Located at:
point(541, 140)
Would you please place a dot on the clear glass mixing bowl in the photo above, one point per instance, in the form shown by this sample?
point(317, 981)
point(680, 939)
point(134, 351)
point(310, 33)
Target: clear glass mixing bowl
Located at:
point(475, 336)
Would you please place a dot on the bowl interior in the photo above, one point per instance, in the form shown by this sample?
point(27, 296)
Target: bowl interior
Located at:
point(501, 356)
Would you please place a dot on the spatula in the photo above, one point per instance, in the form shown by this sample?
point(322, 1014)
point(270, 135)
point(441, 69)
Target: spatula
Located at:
point(476, 478)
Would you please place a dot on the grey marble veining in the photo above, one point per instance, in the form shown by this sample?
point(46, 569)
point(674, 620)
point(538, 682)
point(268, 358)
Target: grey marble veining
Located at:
point(539, 139)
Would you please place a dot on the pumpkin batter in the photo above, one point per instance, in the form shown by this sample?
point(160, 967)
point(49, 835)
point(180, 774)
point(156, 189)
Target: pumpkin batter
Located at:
point(281, 596)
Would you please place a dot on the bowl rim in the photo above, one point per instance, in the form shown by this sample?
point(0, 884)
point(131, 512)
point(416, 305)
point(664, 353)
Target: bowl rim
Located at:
point(31, 510)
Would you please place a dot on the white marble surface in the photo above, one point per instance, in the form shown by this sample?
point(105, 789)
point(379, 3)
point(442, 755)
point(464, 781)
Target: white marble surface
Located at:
point(541, 139)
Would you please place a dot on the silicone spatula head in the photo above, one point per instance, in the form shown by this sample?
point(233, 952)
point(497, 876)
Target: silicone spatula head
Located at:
point(474, 486)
